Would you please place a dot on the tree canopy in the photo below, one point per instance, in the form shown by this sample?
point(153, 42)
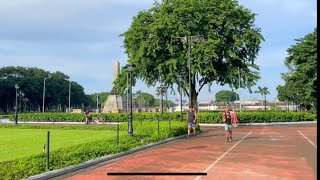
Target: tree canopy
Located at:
point(226, 96)
point(155, 45)
point(30, 92)
point(301, 80)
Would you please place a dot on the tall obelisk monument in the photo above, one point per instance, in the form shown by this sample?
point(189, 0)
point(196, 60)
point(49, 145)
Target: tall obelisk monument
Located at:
point(115, 103)
point(116, 71)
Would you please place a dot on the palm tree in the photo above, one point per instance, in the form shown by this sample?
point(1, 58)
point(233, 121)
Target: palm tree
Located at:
point(263, 91)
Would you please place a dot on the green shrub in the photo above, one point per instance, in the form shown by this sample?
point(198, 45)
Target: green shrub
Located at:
point(244, 117)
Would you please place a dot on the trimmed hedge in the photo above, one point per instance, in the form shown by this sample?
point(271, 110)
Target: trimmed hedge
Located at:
point(72, 155)
point(260, 117)
point(244, 117)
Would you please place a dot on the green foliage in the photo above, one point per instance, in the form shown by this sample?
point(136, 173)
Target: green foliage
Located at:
point(142, 99)
point(30, 92)
point(153, 43)
point(49, 117)
point(301, 80)
point(259, 117)
point(226, 96)
point(72, 155)
point(102, 97)
point(204, 117)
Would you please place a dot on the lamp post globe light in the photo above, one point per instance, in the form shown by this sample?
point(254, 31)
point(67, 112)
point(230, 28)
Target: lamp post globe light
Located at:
point(130, 68)
point(16, 106)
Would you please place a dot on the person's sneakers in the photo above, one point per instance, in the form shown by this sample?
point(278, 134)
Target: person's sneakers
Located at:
point(188, 137)
point(230, 139)
point(227, 139)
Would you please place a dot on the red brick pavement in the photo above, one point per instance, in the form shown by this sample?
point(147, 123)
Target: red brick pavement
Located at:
point(266, 153)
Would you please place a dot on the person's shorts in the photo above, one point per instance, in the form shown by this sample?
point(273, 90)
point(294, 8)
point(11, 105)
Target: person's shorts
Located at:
point(191, 125)
point(228, 127)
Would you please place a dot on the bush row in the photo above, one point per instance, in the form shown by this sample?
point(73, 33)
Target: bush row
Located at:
point(260, 117)
point(72, 155)
point(244, 117)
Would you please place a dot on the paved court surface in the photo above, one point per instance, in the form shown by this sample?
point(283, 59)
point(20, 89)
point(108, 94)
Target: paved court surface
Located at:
point(264, 152)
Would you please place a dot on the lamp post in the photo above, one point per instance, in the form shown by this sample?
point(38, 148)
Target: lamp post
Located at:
point(16, 107)
point(239, 88)
point(69, 110)
point(21, 94)
point(127, 92)
point(97, 111)
point(190, 39)
point(180, 89)
point(161, 90)
point(44, 93)
point(130, 68)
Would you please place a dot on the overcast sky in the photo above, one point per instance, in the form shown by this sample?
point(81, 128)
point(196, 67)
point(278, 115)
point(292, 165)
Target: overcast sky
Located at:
point(81, 38)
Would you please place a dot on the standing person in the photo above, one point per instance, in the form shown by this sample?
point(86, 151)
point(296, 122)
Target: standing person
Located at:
point(86, 115)
point(191, 120)
point(227, 119)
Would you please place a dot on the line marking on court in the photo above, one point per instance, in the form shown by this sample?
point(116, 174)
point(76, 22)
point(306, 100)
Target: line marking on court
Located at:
point(222, 156)
point(308, 139)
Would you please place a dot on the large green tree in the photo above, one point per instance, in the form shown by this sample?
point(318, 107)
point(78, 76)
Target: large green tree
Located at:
point(263, 91)
point(30, 93)
point(142, 99)
point(226, 96)
point(301, 80)
point(102, 98)
point(153, 43)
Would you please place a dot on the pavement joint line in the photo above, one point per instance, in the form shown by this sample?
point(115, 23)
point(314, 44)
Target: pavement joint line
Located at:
point(72, 168)
point(222, 156)
point(308, 139)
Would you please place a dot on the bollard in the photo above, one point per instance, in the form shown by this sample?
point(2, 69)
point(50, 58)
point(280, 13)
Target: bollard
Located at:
point(170, 124)
point(48, 145)
point(118, 134)
point(158, 128)
point(140, 122)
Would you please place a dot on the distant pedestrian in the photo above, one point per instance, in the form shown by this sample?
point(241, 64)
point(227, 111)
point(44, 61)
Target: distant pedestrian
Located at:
point(86, 115)
point(227, 119)
point(191, 120)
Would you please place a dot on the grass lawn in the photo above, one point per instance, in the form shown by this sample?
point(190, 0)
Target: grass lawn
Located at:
point(16, 143)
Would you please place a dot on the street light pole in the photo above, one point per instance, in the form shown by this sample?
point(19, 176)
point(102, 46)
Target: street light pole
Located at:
point(130, 68)
point(127, 92)
point(16, 108)
point(239, 88)
point(44, 92)
point(69, 110)
point(161, 89)
point(180, 89)
point(97, 111)
point(190, 39)
point(189, 63)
